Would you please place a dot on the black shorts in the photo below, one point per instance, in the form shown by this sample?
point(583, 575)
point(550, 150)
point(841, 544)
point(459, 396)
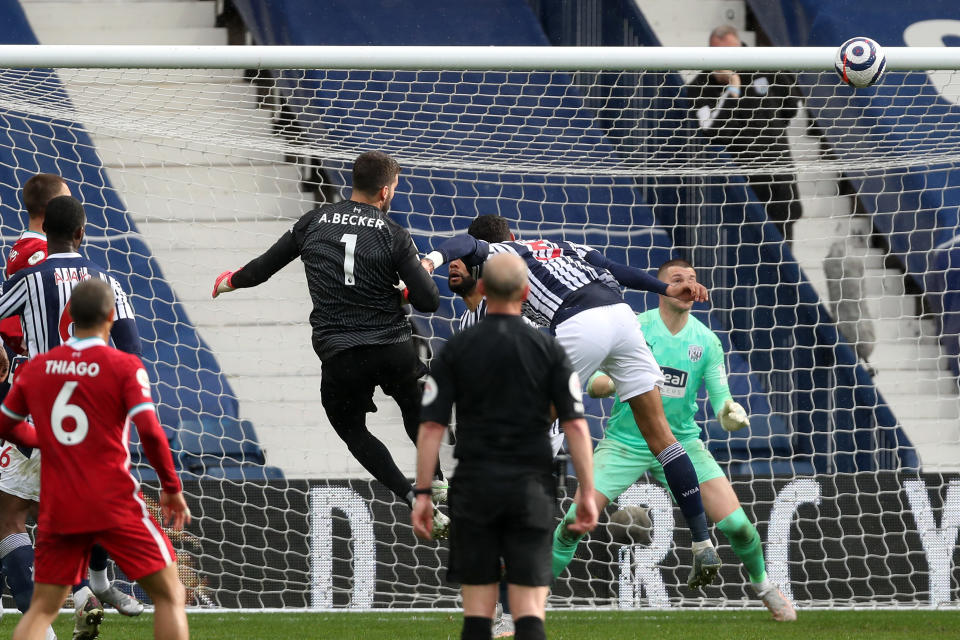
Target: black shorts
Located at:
point(502, 519)
point(349, 378)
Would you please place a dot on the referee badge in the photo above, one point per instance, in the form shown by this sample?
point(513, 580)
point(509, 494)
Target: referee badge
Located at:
point(695, 352)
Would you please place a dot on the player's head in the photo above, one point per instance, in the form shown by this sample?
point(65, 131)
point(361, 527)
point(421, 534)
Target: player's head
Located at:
point(375, 176)
point(91, 306)
point(504, 279)
point(725, 36)
point(462, 279)
point(490, 228)
point(40, 190)
point(676, 271)
point(64, 222)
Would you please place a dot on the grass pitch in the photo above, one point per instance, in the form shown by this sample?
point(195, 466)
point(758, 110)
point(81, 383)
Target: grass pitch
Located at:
point(575, 625)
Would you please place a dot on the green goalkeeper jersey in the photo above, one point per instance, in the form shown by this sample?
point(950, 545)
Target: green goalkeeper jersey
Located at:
point(688, 359)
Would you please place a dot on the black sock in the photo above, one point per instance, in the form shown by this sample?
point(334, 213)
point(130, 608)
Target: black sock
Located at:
point(477, 628)
point(529, 628)
point(682, 479)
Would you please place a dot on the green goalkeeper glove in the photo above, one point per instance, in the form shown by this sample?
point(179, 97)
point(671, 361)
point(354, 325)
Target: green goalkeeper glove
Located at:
point(732, 416)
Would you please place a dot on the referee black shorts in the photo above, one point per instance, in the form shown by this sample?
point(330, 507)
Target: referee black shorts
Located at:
point(502, 518)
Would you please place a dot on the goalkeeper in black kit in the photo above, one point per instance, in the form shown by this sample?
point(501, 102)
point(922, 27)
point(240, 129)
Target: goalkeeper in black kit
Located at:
point(355, 259)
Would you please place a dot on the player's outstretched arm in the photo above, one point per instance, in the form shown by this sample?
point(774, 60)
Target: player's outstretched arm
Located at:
point(581, 452)
point(626, 275)
point(464, 246)
point(731, 415)
point(428, 447)
point(259, 270)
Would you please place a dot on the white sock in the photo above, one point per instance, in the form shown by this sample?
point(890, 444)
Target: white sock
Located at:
point(761, 587)
point(99, 581)
point(703, 544)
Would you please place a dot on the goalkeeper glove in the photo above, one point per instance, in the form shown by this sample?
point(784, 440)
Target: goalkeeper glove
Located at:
point(222, 284)
point(733, 416)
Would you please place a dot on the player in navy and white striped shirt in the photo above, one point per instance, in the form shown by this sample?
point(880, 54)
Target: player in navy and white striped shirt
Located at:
point(40, 295)
point(575, 290)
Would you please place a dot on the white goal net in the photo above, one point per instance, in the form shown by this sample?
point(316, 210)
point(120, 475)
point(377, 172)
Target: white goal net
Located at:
point(841, 343)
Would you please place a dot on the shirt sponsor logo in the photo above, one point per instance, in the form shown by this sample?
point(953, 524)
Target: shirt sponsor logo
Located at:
point(695, 352)
point(674, 383)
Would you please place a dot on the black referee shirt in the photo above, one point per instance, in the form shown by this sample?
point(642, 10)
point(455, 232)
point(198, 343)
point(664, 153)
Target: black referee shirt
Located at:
point(354, 257)
point(502, 375)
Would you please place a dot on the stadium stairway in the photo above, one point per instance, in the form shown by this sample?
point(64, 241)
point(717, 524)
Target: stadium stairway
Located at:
point(911, 372)
point(184, 202)
point(913, 369)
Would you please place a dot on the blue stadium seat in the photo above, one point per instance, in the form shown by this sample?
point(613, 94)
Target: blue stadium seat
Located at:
point(244, 472)
point(205, 441)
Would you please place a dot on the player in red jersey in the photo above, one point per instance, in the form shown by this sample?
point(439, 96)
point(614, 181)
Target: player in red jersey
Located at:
point(19, 470)
point(83, 396)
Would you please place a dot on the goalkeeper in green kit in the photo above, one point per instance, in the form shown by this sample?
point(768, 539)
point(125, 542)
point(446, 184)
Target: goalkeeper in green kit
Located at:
point(689, 354)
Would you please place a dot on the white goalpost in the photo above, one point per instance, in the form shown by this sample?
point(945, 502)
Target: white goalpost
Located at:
point(841, 343)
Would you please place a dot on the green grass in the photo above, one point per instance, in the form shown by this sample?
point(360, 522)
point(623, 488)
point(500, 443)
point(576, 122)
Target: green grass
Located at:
point(579, 625)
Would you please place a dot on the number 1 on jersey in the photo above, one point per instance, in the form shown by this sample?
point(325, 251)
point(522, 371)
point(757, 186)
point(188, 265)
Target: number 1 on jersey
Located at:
point(350, 240)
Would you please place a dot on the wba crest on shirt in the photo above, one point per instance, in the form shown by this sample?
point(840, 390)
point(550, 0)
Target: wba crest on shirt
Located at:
point(695, 352)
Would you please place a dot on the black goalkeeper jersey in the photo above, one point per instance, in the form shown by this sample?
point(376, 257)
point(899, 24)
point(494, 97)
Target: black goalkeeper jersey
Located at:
point(354, 257)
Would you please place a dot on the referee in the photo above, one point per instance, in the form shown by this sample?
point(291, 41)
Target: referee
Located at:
point(355, 258)
point(503, 376)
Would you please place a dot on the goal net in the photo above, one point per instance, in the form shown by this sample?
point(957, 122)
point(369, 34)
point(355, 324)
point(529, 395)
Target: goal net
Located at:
point(841, 343)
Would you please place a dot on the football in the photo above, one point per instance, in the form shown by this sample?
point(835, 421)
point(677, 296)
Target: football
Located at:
point(860, 62)
point(630, 525)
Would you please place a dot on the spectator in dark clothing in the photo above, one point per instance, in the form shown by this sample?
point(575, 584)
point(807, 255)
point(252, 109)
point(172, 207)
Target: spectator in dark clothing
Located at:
point(748, 113)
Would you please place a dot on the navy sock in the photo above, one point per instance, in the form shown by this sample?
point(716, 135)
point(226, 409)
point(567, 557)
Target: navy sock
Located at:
point(98, 558)
point(504, 596)
point(529, 628)
point(476, 628)
point(682, 480)
point(16, 557)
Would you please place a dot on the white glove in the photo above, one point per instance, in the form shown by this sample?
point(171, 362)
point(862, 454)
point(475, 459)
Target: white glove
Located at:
point(733, 417)
point(222, 284)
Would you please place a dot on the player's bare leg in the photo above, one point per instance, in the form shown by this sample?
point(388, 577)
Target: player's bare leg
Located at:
point(44, 608)
point(479, 602)
point(723, 507)
point(528, 605)
point(681, 478)
point(169, 602)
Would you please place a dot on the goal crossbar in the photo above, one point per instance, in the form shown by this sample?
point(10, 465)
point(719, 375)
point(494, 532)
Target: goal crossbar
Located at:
point(458, 58)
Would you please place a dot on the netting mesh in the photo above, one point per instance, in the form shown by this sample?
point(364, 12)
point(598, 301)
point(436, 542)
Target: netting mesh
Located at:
point(833, 339)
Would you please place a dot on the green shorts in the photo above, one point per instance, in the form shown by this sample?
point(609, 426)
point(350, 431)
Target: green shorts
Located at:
point(616, 466)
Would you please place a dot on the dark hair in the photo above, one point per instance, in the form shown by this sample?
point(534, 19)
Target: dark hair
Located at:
point(373, 171)
point(39, 190)
point(64, 216)
point(491, 228)
point(91, 303)
point(676, 262)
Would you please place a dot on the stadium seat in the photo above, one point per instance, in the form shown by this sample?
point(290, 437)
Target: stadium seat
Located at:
point(205, 441)
point(244, 472)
